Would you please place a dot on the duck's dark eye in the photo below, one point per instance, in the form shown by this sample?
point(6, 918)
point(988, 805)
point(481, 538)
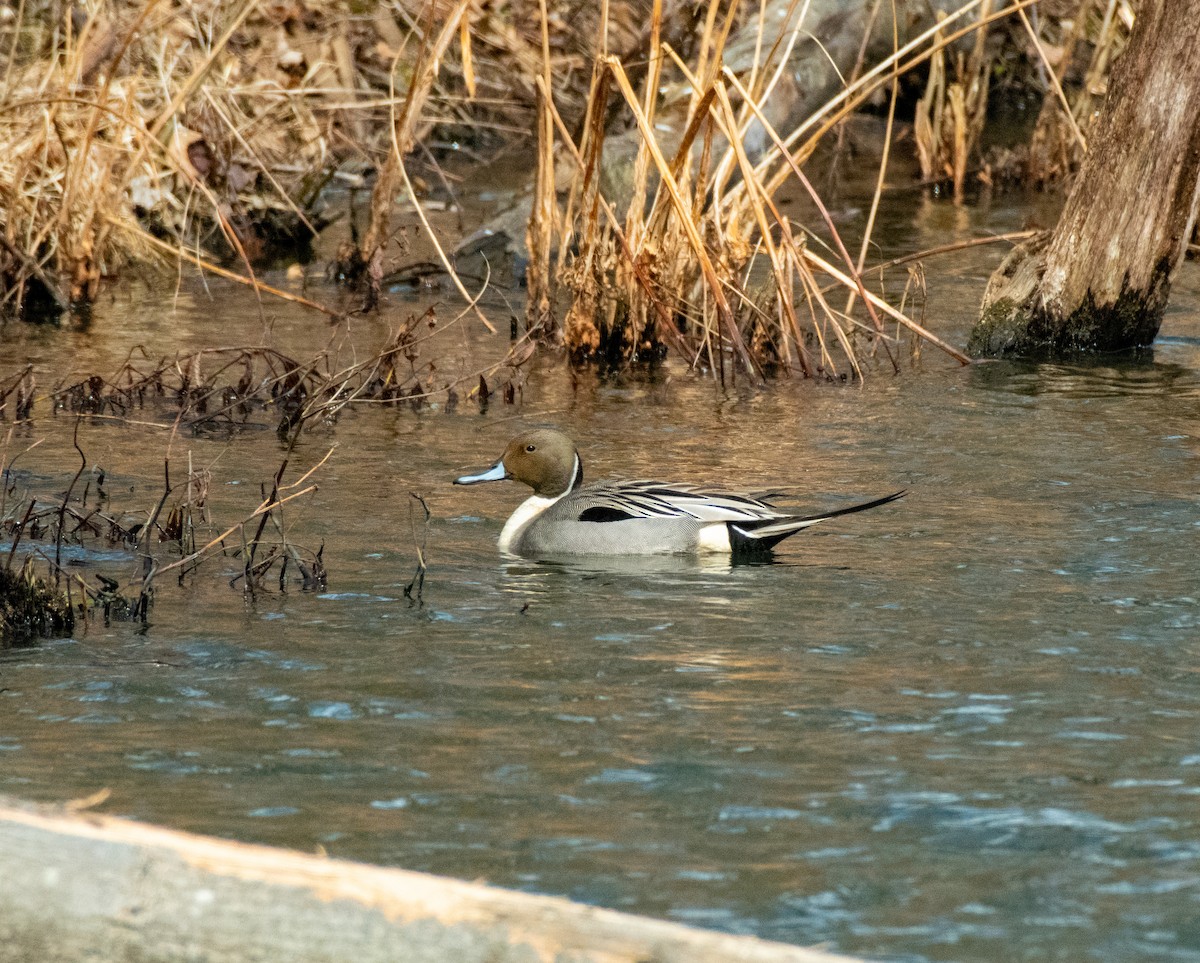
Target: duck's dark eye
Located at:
point(531, 447)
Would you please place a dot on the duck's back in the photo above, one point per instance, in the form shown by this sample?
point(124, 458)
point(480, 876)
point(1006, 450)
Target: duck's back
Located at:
point(635, 518)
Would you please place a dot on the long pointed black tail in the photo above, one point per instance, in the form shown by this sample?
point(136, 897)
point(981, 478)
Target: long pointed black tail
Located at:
point(758, 538)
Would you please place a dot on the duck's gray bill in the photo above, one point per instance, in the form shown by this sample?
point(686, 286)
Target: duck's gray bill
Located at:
point(496, 473)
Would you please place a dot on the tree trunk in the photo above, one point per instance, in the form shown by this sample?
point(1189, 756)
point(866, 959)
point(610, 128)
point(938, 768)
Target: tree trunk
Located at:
point(1100, 280)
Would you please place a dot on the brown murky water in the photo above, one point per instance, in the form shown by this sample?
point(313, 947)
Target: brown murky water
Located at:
point(962, 727)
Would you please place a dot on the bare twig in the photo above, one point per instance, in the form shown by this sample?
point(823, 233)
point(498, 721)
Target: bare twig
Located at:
point(418, 579)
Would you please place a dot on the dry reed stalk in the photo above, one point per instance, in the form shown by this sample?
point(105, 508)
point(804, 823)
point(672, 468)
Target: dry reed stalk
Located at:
point(580, 330)
point(816, 199)
point(1059, 138)
point(868, 231)
point(822, 265)
point(420, 545)
point(715, 288)
point(685, 263)
point(950, 114)
point(539, 236)
point(16, 398)
point(1109, 39)
point(429, 56)
point(759, 202)
point(766, 74)
point(670, 229)
point(628, 262)
point(1055, 82)
point(801, 142)
point(124, 124)
point(1012, 237)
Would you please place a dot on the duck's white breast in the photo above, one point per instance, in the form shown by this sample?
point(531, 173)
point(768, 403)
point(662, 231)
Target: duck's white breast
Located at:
point(519, 520)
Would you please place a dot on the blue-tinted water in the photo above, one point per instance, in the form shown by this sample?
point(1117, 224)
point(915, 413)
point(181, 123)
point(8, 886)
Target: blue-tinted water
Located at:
point(960, 727)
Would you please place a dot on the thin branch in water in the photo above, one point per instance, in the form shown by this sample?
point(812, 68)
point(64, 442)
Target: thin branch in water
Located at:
point(418, 579)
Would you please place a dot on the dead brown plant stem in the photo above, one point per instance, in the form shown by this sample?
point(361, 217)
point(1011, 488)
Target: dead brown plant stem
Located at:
point(403, 130)
point(418, 579)
point(602, 40)
point(591, 145)
point(1012, 236)
point(706, 38)
point(699, 116)
point(816, 199)
point(758, 203)
point(102, 98)
point(790, 245)
point(5, 470)
point(539, 233)
point(1055, 83)
point(840, 332)
point(883, 164)
point(682, 211)
point(635, 215)
point(397, 159)
point(263, 166)
point(1102, 51)
point(262, 508)
point(447, 264)
point(208, 266)
point(62, 509)
point(251, 550)
point(201, 71)
point(856, 94)
point(34, 268)
point(822, 265)
point(468, 59)
point(758, 84)
point(17, 23)
point(760, 90)
point(666, 323)
point(343, 377)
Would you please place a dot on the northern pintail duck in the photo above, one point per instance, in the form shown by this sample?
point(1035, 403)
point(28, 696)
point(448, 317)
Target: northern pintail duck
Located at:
point(566, 517)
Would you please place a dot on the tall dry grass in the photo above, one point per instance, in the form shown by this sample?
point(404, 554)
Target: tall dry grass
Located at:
point(125, 124)
point(145, 131)
point(158, 130)
point(699, 257)
point(702, 260)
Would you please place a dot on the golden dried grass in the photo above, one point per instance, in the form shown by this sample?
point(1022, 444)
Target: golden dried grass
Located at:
point(702, 260)
point(175, 118)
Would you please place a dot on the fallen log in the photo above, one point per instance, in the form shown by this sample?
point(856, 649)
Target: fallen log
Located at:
point(77, 887)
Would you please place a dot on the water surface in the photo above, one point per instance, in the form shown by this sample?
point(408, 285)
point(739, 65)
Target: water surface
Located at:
point(960, 727)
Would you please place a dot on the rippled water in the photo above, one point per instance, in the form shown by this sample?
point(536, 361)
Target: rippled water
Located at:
point(960, 727)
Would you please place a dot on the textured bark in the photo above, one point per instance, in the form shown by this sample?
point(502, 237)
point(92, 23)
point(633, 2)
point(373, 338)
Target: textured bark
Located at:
point(1101, 280)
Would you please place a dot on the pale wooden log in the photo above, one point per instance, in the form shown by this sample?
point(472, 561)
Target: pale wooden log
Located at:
point(84, 887)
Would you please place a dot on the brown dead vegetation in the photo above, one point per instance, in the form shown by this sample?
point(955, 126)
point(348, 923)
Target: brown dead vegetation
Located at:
point(697, 256)
point(136, 132)
point(216, 392)
point(152, 117)
point(233, 390)
point(701, 259)
point(42, 594)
